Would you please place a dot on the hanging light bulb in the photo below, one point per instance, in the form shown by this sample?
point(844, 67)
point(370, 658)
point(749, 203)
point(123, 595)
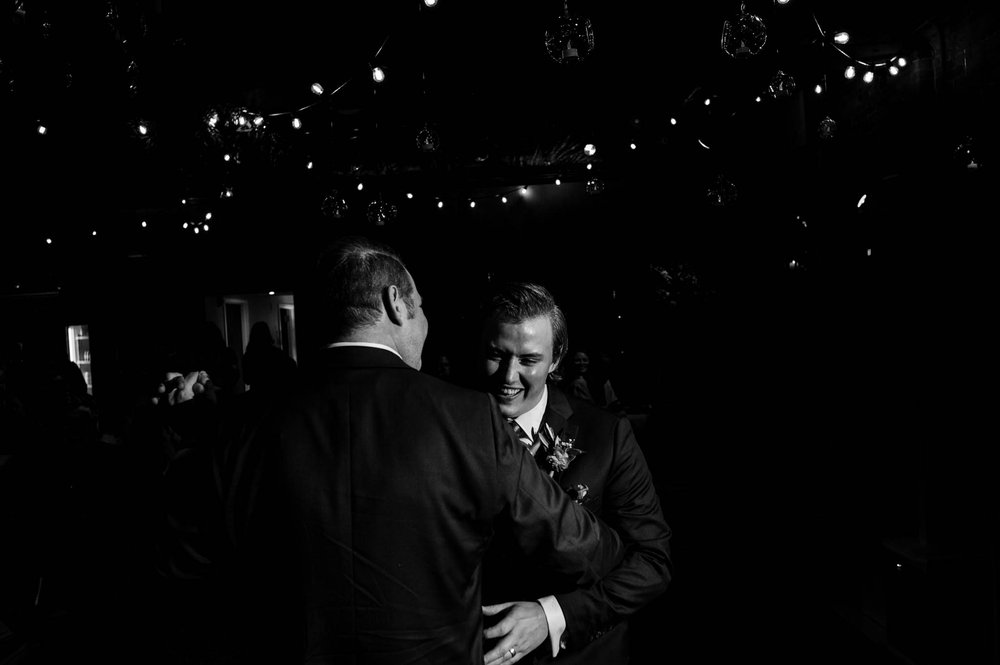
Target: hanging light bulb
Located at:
point(818, 89)
point(334, 205)
point(296, 123)
point(428, 140)
point(893, 70)
point(869, 76)
point(842, 37)
point(850, 72)
point(431, 3)
point(743, 36)
point(317, 88)
point(378, 74)
point(782, 85)
point(589, 149)
point(570, 39)
point(901, 61)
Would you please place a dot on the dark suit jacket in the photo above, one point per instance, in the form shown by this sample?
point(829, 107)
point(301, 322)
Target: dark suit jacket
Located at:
point(364, 506)
point(621, 492)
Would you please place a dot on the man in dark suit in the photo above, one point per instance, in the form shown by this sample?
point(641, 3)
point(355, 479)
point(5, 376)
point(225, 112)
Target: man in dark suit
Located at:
point(366, 501)
point(593, 456)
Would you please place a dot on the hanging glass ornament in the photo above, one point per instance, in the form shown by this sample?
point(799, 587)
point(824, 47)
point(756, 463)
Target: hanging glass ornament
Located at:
point(334, 205)
point(595, 186)
point(380, 212)
point(966, 155)
point(721, 192)
point(827, 128)
point(743, 36)
point(428, 140)
point(570, 39)
point(782, 85)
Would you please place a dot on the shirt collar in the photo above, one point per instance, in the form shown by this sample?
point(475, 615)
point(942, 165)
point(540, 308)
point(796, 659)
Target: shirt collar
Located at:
point(371, 345)
point(531, 421)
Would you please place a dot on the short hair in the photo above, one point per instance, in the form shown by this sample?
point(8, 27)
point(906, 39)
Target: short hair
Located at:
point(515, 302)
point(353, 273)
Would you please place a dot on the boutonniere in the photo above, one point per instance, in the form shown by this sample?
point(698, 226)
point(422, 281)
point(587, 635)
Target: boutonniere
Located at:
point(560, 451)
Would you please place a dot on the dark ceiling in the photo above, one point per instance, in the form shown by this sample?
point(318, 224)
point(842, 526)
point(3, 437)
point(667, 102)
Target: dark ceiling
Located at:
point(475, 73)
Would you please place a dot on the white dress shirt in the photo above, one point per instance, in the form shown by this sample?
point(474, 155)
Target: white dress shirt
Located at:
point(530, 422)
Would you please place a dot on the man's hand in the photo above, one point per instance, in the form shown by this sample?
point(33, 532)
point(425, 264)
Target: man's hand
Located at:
point(177, 388)
point(519, 631)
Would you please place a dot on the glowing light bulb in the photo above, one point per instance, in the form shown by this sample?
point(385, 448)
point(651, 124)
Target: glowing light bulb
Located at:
point(757, 99)
point(440, 204)
point(901, 62)
point(42, 129)
point(589, 166)
point(558, 182)
point(208, 216)
point(524, 191)
point(378, 74)
point(316, 88)
point(842, 37)
point(861, 201)
point(226, 157)
point(589, 149)
point(258, 121)
point(632, 146)
point(869, 76)
point(143, 129)
point(296, 123)
point(93, 233)
point(472, 204)
point(204, 226)
point(818, 89)
point(893, 70)
point(144, 225)
point(184, 225)
point(503, 199)
point(48, 241)
point(673, 121)
point(850, 72)
point(409, 195)
point(361, 186)
point(270, 293)
point(197, 230)
point(708, 101)
point(431, 3)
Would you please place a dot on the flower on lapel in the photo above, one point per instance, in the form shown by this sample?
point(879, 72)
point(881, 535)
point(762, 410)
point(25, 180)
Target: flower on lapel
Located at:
point(560, 451)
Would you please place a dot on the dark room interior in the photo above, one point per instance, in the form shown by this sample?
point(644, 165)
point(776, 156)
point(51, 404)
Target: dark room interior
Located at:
point(785, 268)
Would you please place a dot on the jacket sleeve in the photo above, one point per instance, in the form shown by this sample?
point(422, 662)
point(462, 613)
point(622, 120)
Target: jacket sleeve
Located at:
point(545, 522)
point(633, 509)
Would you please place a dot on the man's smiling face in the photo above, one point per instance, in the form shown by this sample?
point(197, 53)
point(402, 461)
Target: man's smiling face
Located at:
point(518, 361)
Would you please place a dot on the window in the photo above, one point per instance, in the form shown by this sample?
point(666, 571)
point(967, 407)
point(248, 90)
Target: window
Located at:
point(78, 348)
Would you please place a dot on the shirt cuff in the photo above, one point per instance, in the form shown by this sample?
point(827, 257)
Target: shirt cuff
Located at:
point(556, 619)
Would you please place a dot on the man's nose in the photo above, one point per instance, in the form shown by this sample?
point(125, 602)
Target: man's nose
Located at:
point(510, 373)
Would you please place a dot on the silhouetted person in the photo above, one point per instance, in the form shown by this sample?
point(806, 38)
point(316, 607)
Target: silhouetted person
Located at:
point(267, 369)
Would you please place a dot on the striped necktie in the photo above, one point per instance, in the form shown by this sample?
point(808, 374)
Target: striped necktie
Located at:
point(522, 436)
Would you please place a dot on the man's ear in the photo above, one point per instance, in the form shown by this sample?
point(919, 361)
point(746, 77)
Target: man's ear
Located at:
point(395, 308)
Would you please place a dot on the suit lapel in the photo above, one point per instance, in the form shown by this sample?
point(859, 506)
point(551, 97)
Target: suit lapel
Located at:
point(557, 416)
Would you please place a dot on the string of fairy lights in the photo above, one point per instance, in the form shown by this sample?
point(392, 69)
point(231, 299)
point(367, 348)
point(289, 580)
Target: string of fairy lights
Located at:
point(568, 39)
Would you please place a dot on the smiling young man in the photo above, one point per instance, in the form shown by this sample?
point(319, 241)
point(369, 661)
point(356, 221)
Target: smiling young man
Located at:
point(593, 456)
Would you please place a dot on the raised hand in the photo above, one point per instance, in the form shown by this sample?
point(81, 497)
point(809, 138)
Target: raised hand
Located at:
point(177, 388)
